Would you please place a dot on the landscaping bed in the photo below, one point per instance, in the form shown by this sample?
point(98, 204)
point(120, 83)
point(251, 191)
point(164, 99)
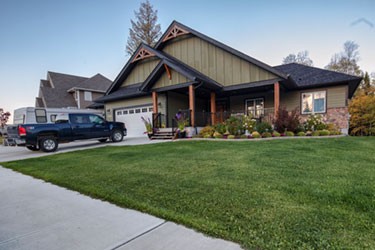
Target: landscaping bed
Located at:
point(286, 194)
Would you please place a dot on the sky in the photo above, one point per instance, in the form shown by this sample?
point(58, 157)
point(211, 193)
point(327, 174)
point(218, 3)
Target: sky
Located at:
point(86, 37)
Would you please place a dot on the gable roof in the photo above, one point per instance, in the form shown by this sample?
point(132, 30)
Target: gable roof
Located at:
point(309, 77)
point(55, 90)
point(160, 44)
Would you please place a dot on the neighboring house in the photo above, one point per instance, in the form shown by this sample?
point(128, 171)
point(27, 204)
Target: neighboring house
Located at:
point(69, 91)
point(207, 80)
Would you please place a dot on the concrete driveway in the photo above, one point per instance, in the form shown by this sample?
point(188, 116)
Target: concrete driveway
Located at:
point(38, 215)
point(19, 153)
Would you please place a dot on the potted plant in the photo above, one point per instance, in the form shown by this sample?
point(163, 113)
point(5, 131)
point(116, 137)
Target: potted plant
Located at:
point(182, 122)
point(148, 126)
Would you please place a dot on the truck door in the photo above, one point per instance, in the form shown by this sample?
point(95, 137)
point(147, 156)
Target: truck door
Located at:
point(100, 127)
point(81, 126)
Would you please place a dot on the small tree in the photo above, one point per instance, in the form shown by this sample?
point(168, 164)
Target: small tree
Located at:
point(145, 29)
point(362, 113)
point(4, 117)
point(301, 58)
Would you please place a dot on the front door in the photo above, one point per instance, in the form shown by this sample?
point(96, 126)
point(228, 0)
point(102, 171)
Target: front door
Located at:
point(221, 110)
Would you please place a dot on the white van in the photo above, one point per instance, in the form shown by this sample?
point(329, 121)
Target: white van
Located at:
point(45, 115)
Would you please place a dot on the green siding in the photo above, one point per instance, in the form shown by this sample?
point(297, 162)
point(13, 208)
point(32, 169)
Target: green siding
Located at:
point(141, 71)
point(216, 63)
point(164, 81)
point(336, 97)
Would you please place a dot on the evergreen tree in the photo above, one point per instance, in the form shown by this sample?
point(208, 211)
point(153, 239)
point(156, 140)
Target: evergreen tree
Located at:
point(144, 29)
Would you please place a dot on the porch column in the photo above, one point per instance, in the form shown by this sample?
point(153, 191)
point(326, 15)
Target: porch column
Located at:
point(213, 108)
point(192, 104)
point(276, 97)
point(155, 102)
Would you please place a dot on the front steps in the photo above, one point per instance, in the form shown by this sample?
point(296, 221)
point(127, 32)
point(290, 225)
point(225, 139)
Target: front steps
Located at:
point(163, 134)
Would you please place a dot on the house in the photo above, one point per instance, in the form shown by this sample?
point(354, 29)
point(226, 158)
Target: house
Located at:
point(190, 72)
point(70, 91)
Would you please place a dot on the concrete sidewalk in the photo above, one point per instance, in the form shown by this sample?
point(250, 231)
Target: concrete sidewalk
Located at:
point(38, 215)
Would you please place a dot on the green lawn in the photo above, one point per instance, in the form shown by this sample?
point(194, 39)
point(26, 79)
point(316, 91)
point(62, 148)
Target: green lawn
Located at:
point(287, 194)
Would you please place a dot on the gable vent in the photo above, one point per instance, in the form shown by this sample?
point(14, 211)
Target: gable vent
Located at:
point(142, 54)
point(175, 31)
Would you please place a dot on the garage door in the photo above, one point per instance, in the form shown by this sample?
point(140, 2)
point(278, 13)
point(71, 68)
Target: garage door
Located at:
point(132, 117)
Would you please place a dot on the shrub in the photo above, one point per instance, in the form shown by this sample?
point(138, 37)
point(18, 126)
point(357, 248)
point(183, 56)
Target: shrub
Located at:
point(314, 122)
point(315, 133)
point(263, 127)
point(301, 133)
point(287, 120)
point(234, 125)
point(221, 128)
point(308, 133)
point(231, 137)
point(255, 134)
point(207, 131)
point(289, 133)
point(266, 135)
point(275, 134)
point(324, 132)
point(243, 136)
point(217, 135)
point(248, 123)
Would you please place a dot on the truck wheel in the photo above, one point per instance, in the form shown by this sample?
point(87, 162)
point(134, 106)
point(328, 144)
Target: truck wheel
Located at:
point(32, 148)
point(48, 144)
point(117, 136)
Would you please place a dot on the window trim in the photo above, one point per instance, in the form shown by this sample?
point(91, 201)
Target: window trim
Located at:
point(43, 117)
point(254, 99)
point(87, 96)
point(313, 98)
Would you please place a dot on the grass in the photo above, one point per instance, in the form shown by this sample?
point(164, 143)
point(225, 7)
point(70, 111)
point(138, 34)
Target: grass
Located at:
point(278, 194)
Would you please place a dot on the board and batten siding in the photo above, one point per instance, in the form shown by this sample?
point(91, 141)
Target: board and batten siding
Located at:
point(237, 103)
point(141, 71)
point(164, 81)
point(336, 97)
point(219, 65)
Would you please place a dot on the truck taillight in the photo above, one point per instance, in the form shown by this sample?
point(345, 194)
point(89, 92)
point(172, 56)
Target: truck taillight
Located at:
point(21, 131)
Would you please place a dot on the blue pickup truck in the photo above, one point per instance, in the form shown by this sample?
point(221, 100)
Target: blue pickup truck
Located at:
point(67, 128)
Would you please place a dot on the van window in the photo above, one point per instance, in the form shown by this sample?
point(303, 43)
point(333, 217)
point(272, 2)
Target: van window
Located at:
point(53, 118)
point(41, 115)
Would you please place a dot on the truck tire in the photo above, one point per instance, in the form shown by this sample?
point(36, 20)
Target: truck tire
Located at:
point(117, 135)
point(48, 144)
point(32, 148)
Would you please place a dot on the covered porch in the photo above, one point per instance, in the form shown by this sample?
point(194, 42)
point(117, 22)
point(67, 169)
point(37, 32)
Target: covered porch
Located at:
point(202, 106)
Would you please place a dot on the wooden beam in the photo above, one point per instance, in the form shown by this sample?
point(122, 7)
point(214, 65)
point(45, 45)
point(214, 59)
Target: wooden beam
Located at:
point(213, 108)
point(168, 71)
point(154, 102)
point(276, 97)
point(192, 104)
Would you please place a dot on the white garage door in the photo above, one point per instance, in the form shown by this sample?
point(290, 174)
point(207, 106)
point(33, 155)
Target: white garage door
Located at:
point(132, 117)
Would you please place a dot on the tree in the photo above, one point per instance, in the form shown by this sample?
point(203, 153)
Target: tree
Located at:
point(4, 117)
point(145, 29)
point(362, 113)
point(346, 61)
point(301, 58)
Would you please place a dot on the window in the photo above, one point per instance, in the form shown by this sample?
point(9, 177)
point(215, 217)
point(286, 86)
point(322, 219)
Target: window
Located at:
point(131, 111)
point(41, 116)
point(144, 110)
point(79, 119)
point(125, 112)
point(255, 107)
point(88, 96)
point(137, 111)
point(150, 109)
point(96, 119)
point(53, 118)
point(119, 112)
point(313, 102)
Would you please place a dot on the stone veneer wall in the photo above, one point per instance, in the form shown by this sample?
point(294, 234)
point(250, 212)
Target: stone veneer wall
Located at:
point(337, 116)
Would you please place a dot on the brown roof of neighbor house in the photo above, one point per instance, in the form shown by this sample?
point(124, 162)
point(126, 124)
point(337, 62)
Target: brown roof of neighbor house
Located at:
point(54, 90)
